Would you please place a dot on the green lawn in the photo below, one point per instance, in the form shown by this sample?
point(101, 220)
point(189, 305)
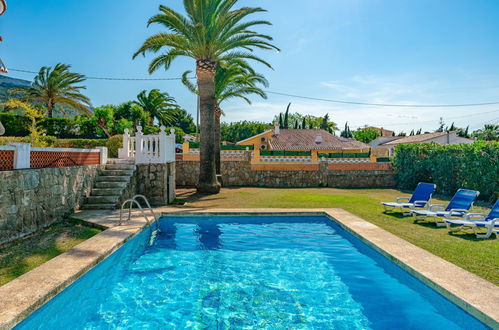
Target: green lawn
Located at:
point(23, 255)
point(462, 249)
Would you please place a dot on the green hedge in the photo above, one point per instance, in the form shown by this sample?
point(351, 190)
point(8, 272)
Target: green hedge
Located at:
point(285, 153)
point(80, 127)
point(195, 145)
point(450, 167)
point(236, 147)
point(383, 159)
point(53, 142)
point(344, 155)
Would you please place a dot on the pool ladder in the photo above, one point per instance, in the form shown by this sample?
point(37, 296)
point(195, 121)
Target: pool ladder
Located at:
point(133, 201)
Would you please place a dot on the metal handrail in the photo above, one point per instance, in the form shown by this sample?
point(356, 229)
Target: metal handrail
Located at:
point(148, 205)
point(133, 201)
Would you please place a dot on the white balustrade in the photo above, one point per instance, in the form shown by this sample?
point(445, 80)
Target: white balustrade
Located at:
point(148, 149)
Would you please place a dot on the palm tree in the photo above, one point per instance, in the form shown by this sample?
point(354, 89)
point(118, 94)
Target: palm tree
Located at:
point(212, 31)
point(56, 88)
point(232, 80)
point(158, 105)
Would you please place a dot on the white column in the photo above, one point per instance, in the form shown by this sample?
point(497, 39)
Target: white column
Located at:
point(22, 155)
point(139, 146)
point(103, 155)
point(163, 143)
point(125, 151)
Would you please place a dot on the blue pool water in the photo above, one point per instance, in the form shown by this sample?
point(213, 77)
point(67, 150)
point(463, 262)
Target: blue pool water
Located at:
point(248, 272)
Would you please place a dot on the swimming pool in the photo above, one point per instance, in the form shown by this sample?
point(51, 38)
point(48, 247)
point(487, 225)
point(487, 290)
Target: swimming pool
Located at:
point(275, 272)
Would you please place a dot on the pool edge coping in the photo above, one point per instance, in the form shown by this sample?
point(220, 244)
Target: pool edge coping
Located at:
point(22, 301)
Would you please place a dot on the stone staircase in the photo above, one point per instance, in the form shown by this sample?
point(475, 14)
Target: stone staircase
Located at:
point(110, 185)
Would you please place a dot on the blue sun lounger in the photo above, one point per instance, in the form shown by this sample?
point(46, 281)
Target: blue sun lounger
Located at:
point(419, 199)
point(489, 222)
point(458, 206)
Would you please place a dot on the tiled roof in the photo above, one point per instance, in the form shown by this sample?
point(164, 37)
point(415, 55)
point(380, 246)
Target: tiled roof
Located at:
point(305, 139)
point(382, 131)
point(415, 138)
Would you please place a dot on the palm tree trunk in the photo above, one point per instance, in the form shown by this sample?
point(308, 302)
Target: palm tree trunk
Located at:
point(205, 71)
point(218, 139)
point(50, 109)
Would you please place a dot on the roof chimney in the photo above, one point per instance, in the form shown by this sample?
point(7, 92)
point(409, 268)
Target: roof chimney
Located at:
point(318, 139)
point(277, 130)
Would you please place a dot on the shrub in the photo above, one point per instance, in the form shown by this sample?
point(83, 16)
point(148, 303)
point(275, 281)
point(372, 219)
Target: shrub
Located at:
point(450, 167)
point(113, 144)
point(80, 143)
point(15, 125)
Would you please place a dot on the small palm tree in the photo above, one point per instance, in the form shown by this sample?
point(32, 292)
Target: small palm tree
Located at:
point(232, 80)
point(160, 106)
point(212, 31)
point(56, 88)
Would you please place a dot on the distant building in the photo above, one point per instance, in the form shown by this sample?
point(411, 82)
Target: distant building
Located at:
point(439, 138)
point(302, 140)
point(382, 131)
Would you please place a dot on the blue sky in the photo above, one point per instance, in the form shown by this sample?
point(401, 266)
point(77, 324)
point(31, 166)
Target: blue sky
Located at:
point(382, 51)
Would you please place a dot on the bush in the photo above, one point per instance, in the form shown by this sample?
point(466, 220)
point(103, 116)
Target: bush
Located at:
point(44, 141)
point(15, 125)
point(113, 144)
point(80, 143)
point(344, 155)
point(450, 167)
point(285, 153)
point(80, 127)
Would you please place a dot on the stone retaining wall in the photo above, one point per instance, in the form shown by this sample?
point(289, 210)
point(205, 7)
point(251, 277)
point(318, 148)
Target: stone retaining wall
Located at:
point(35, 198)
point(156, 182)
point(243, 173)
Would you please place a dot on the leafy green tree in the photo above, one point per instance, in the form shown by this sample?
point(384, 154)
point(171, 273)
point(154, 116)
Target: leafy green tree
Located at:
point(238, 131)
point(182, 119)
point(366, 135)
point(346, 133)
point(56, 88)
point(108, 123)
point(158, 105)
point(132, 112)
point(286, 117)
point(211, 31)
point(489, 132)
point(34, 114)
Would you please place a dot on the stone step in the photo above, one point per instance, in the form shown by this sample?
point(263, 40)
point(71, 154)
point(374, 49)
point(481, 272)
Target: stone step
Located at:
point(114, 167)
point(110, 185)
point(106, 191)
point(116, 173)
point(120, 161)
point(113, 179)
point(103, 199)
point(99, 207)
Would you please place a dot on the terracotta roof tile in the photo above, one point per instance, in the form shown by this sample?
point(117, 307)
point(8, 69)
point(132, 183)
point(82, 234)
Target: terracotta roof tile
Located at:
point(305, 139)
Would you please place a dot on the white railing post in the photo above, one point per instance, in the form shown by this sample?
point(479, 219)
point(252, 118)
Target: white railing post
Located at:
point(170, 147)
point(163, 143)
point(22, 155)
point(139, 146)
point(125, 151)
point(103, 155)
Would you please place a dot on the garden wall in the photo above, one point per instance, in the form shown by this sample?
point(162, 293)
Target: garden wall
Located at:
point(243, 173)
point(35, 198)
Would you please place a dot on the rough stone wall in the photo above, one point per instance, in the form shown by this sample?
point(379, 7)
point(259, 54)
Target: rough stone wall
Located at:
point(35, 198)
point(241, 173)
point(156, 182)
